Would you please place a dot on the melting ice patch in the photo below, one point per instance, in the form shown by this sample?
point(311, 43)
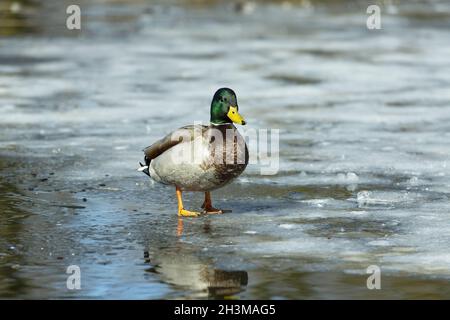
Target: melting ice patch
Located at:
point(368, 198)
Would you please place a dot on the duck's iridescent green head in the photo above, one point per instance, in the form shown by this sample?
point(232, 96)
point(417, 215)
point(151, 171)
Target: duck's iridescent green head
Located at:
point(224, 108)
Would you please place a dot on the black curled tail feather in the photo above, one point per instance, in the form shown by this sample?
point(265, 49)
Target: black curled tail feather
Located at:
point(144, 168)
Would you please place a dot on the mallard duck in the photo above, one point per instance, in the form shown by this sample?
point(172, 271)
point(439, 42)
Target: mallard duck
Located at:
point(198, 157)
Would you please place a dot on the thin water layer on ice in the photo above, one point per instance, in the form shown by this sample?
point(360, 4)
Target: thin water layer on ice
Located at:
point(364, 153)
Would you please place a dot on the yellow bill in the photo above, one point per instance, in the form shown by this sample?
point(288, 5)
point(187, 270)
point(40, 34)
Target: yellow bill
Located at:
point(234, 116)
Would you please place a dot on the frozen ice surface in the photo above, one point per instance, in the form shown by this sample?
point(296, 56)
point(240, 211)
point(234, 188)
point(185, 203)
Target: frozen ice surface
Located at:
point(364, 153)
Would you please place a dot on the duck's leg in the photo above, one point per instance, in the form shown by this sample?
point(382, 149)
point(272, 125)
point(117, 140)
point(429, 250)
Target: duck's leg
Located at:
point(207, 205)
point(181, 211)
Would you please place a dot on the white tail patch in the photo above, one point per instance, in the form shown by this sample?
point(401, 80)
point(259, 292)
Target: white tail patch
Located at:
point(142, 168)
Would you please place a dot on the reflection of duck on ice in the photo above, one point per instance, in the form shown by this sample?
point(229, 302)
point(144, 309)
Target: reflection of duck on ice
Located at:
point(184, 269)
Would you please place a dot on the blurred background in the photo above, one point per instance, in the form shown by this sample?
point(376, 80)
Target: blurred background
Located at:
point(364, 148)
